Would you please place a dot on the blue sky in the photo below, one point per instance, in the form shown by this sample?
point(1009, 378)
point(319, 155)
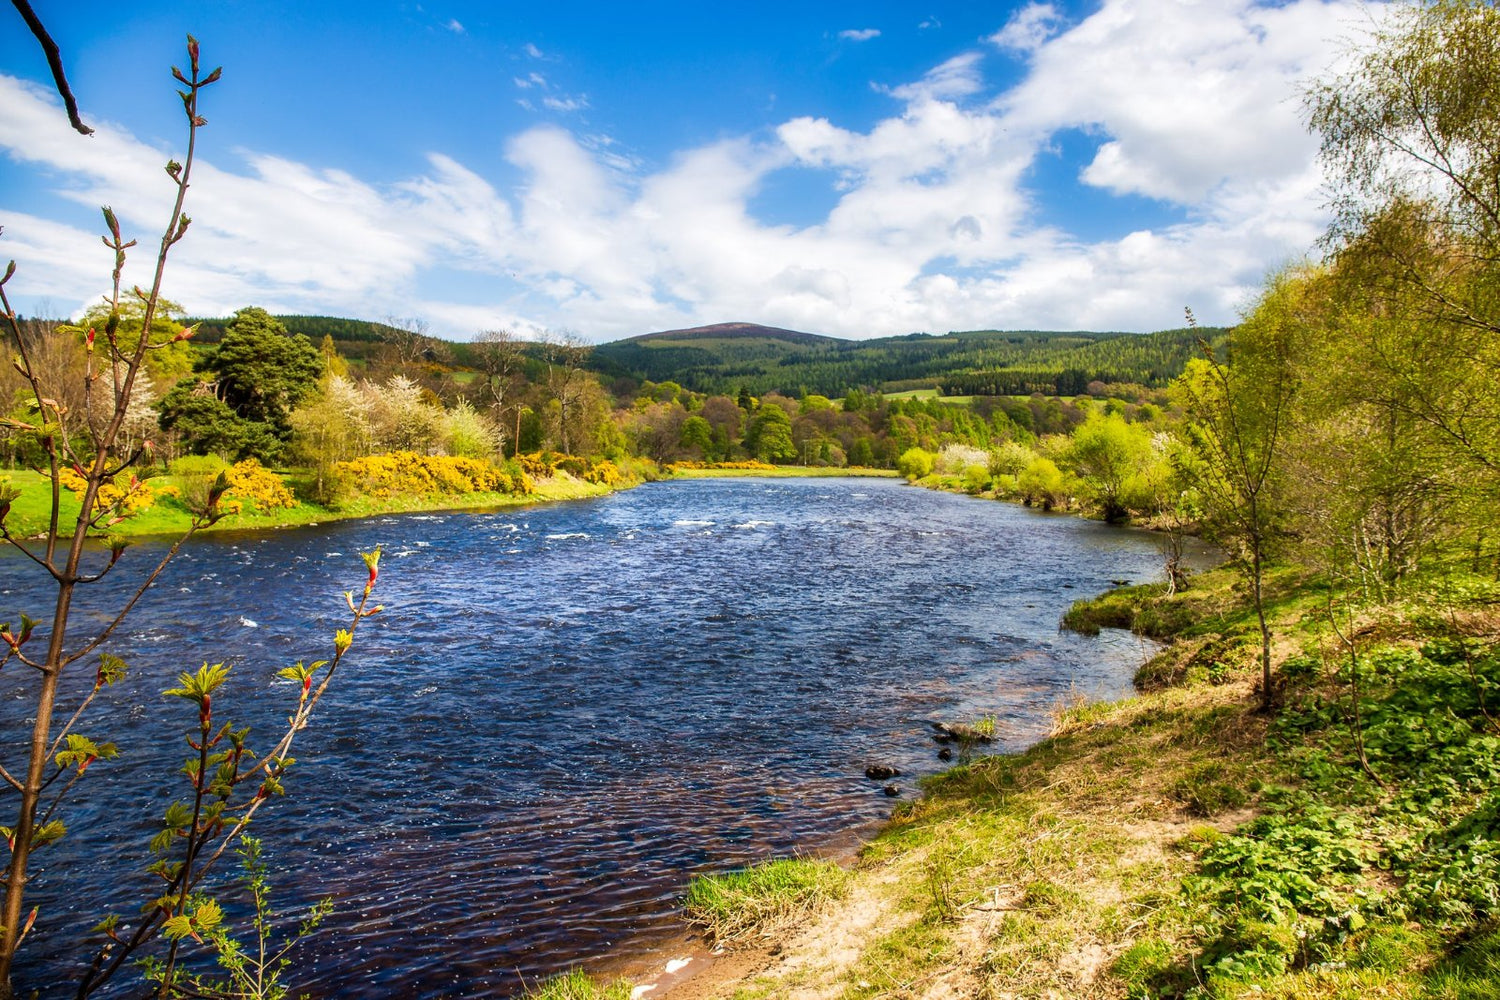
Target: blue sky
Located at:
point(850, 169)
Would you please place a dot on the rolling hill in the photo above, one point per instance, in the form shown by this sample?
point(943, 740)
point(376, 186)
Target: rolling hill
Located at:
point(728, 357)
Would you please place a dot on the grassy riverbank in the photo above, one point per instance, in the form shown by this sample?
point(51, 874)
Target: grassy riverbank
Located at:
point(30, 511)
point(775, 471)
point(1182, 843)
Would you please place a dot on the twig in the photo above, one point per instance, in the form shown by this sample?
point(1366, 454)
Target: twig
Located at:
point(54, 62)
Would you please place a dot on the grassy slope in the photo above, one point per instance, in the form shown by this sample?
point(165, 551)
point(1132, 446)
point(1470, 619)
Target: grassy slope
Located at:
point(1104, 862)
point(29, 513)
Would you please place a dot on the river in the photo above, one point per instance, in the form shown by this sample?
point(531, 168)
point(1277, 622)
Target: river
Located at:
point(567, 710)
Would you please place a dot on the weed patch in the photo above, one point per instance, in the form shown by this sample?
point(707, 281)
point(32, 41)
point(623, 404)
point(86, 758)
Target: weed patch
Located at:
point(735, 904)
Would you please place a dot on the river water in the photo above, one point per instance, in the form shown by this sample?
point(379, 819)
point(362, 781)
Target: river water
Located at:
point(568, 710)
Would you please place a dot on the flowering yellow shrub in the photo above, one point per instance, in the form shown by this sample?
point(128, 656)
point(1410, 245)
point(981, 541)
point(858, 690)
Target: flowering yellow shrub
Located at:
point(536, 466)
point(605, 473)
point(130, 493)
point(255, 487)
point(405, 472)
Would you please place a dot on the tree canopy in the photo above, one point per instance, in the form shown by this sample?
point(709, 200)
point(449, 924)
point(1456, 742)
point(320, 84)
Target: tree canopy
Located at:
point(263, 371)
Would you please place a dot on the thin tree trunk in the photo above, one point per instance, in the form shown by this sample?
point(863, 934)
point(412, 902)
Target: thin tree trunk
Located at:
point(1257, 572)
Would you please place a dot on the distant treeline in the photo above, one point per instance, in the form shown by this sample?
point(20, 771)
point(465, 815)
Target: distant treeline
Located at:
point(985, 362)
point(763, 360)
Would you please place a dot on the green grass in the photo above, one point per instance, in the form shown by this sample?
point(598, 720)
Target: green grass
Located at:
point(735, 904)
point(933, 394)
point(30, 511)
point(1184, 844)
point(578, 985)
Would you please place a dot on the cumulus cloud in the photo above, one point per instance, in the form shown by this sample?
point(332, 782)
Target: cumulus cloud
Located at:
point(859, 34)
point(1028, 28)
point(933, 224)
point(531, 50)
point(1186, 96)
point(455, 26)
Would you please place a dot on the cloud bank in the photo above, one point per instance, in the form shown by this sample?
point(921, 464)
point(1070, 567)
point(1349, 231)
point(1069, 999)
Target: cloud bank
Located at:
point(937, 222)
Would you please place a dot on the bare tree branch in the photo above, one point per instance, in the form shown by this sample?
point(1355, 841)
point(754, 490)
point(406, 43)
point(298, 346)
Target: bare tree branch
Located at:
point(54, 61)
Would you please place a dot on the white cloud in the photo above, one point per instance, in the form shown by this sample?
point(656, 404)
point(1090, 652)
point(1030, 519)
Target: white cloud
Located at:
point(455, 26)
point(859, 34)
point(531, 50)
point(933, 226)
point(930, 22)
point(577, 103)
point(958, 77)
point(1186, 96)
point(1028, 28)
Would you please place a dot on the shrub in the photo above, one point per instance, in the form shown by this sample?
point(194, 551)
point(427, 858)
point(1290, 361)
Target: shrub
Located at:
point(125, 494)
point(976, 479)
point(915, 463)
point(605, 473)
point(1043, 484)
point(955, 459)
point(198, 465)
point(1010, 459)
point(407, 473)
point(254, 487)
point(536, 465)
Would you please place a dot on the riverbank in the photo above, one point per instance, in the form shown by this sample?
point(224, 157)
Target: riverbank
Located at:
point(1184, 843)
point(31, 510)
point(776, 472)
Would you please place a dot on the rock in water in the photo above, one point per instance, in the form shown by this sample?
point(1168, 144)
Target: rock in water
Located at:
point(880, 772)
point(893, 790)
point(946, 733)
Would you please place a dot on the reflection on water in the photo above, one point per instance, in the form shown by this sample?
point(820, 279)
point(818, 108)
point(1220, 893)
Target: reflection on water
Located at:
point(568, 710)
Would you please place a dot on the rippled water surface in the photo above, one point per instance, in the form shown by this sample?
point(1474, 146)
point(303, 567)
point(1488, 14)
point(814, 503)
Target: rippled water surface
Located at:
point(568, 710)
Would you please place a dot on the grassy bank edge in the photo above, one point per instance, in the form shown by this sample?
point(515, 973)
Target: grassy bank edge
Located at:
point(30, 512)
point(1144, 848)
point(784, 472)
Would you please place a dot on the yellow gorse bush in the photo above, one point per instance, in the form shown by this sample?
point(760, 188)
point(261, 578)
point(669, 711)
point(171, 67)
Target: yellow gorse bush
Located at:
point(536, 465)
point(126, 491)
point(605, 473)
point(255, 487)
point(405, 472)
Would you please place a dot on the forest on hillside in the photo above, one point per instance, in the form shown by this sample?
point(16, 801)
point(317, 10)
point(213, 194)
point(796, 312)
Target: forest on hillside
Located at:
point(726, 359)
